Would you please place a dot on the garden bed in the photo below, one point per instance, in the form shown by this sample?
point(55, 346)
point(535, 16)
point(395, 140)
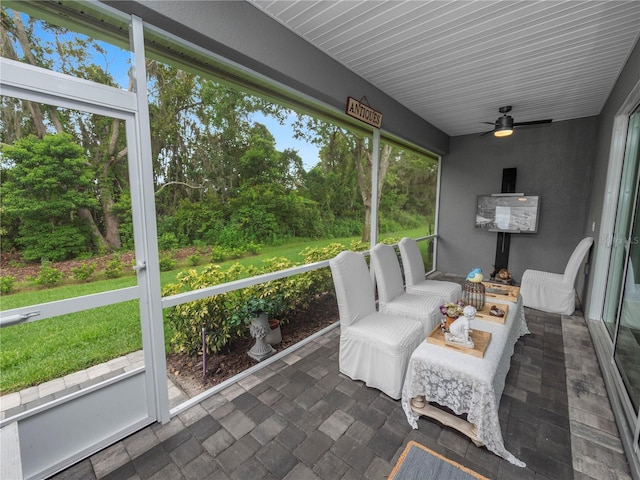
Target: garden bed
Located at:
point(186, 371)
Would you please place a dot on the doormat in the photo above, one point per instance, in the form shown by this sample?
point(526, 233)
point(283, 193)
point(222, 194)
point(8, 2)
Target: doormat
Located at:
point(417, 462)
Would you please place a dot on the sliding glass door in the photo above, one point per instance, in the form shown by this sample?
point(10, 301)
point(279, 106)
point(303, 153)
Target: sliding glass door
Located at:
point(622, 301)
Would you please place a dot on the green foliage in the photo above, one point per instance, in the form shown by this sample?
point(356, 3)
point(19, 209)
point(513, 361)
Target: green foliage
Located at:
point(212, 313)
point(390, 240)
point(358, 246)
point(168, 241)
point(167, 263)
point(48, 182)
point(255, 306)
point(253, 223)
point(217, 254)
point(194, 260)
point(221, 178)
point(194, 221)
point(6, 284)
point(113, 269)
point(122, 209)
point(84, 272)
point(225, 316)
point(292, 292)
point(49, 276)
point(221, 253)
point(344, 227)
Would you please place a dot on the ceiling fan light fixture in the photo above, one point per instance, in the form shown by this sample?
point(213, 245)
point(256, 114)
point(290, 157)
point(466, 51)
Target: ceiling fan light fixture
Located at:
point(502, 131)
point(504, 125)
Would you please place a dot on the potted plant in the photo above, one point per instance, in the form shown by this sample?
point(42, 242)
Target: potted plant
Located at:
point(255, 311)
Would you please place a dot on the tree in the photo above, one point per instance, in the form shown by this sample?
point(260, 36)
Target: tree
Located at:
point(102, 137)
point(47, 182)
point(343, 151)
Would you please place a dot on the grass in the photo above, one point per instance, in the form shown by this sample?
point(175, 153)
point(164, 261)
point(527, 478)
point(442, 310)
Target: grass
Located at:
point(36, 352)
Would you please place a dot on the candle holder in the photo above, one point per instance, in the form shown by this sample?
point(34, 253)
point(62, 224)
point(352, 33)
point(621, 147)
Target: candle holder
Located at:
point(473, 294)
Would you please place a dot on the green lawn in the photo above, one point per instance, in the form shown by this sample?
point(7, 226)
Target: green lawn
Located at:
point(35, 352)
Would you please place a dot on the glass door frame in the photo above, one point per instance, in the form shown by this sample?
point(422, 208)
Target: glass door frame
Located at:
point(151, 403)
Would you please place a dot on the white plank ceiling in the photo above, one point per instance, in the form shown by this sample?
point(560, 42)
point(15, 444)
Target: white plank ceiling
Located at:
point(454, 63)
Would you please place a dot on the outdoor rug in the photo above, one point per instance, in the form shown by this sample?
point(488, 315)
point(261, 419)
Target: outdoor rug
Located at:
point(417, 462)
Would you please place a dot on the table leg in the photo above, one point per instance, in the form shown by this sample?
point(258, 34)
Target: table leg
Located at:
point(421, 407)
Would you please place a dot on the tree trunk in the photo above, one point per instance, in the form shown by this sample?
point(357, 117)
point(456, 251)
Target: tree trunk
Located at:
point(365, 180)
point(99, 240)
point(111, 222)
point(34, 108)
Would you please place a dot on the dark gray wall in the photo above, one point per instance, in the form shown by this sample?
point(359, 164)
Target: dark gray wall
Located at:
point(553, 161)
point(241, 33)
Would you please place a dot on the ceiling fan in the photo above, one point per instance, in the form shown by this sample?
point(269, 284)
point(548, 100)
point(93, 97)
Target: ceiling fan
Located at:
point(503, 126)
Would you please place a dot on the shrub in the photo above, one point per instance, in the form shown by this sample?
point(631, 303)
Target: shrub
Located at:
point(167, 263)
point(83, 272)
point(194, 260)
point(113, 269)
point(6, 284)
point(390, 240)
point(168, 241)
point(224, 316)
point(213, 313)
point(292, 293)
point(217, 254)
point(49, 276)
point(359, 246)
point(253, 248)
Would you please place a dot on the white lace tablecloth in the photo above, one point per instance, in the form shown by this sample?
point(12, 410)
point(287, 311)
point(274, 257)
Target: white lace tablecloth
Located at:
point(467, 384)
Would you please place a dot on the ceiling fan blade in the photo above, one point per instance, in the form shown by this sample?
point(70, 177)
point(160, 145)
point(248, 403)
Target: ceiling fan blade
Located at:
point(534, 122)
point(486, 133)
point(489, 123)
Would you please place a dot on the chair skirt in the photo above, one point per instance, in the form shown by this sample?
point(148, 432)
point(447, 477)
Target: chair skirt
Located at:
point(547, 292)
point(377, 351)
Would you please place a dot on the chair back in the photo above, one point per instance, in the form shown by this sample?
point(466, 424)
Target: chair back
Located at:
point(354, 289)
point(384, 263)
point(412, 262)
point(575, 260)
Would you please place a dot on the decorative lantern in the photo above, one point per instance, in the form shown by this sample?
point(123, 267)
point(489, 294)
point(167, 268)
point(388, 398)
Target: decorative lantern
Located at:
point(473, 294)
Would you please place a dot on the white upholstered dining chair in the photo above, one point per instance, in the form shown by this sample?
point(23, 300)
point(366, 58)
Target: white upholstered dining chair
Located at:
point(392, 297)
point(374, 347)
point(554, 292)
point(414, 274)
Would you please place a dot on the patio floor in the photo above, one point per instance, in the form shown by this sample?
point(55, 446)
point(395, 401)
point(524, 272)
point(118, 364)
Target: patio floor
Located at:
point(299, 418)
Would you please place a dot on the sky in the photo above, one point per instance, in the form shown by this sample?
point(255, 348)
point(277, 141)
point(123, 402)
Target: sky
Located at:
point(283, 134)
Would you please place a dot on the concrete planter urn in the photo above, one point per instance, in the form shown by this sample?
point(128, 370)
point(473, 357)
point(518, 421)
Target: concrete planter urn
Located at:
point(259, 329)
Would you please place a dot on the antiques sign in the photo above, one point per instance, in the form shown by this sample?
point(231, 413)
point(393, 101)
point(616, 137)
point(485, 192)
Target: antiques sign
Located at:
point(363, 112)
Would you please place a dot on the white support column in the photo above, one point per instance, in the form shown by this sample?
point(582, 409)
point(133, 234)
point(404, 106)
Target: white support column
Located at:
point(375, 174)
point(145, 231)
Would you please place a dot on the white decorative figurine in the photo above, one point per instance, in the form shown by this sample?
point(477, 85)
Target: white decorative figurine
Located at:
point(459, 331)
point(470, 312)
